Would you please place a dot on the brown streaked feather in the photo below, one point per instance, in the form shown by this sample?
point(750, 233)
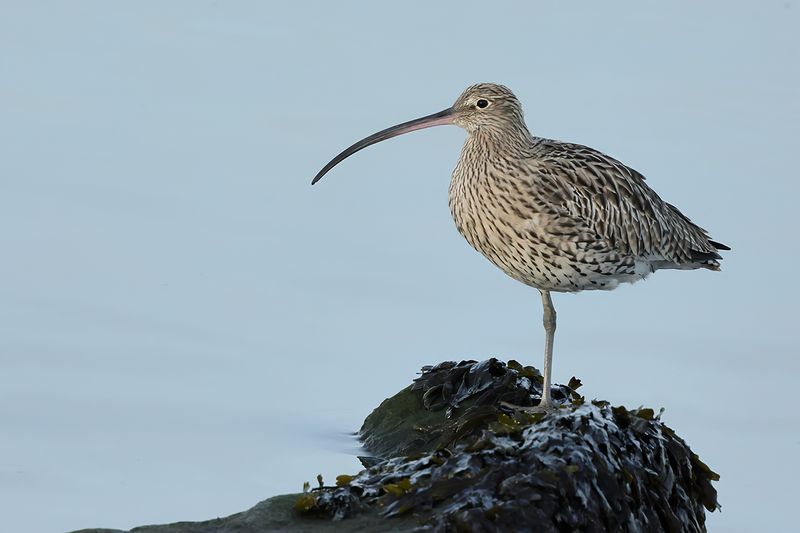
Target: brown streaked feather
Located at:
point(614, 201)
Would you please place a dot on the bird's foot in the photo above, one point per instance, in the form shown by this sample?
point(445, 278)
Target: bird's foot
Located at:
point(544, 407)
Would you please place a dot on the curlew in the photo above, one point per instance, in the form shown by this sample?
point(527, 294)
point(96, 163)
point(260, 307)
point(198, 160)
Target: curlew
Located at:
point(556, 216)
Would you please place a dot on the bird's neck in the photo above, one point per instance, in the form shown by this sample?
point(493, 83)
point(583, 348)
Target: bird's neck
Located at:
point(487, 148)
point(512, 141)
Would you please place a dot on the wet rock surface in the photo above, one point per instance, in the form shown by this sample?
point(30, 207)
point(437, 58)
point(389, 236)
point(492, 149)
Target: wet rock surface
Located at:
point(274, 515)
point(451, 453)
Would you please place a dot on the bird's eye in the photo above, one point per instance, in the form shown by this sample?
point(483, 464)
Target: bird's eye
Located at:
point(482, 103)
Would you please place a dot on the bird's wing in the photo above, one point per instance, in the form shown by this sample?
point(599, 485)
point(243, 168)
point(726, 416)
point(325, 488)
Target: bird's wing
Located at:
point(613, 201)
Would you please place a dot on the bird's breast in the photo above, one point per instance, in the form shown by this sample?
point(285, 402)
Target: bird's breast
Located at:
point(503, 217)
point(491, 211)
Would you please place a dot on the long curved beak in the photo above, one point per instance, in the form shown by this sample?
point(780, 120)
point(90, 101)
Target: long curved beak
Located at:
point(437, 119)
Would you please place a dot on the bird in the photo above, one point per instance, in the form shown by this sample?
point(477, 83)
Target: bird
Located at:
point(556, 216)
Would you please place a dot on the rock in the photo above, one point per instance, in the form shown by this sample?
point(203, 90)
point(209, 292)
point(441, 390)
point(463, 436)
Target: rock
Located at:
point(274, 515)
point(450, 453)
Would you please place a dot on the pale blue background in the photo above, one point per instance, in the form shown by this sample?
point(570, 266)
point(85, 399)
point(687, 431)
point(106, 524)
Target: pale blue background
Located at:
point(188, 327)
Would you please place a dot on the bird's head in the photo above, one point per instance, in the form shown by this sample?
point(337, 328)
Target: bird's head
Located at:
point(485, 107)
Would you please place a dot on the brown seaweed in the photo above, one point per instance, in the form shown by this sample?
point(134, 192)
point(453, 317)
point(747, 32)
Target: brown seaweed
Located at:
point(449, 451)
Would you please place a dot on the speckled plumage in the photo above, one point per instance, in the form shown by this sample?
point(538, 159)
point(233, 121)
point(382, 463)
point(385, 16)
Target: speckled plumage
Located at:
point(559, 216)
point(556, 216)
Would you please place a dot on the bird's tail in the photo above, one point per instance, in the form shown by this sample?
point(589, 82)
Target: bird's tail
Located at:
point(709, 260)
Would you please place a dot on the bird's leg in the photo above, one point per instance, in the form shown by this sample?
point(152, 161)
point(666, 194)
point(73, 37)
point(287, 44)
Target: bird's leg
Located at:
point(549, 320)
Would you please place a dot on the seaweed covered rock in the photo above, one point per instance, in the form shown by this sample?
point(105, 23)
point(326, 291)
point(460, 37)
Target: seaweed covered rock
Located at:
point(452, 451)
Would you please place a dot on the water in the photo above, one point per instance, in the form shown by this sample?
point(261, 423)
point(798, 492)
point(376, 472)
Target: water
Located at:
point(185, 323)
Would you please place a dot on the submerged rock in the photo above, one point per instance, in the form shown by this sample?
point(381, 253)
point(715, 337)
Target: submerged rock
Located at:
point(451, 453)
point(276, 514)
